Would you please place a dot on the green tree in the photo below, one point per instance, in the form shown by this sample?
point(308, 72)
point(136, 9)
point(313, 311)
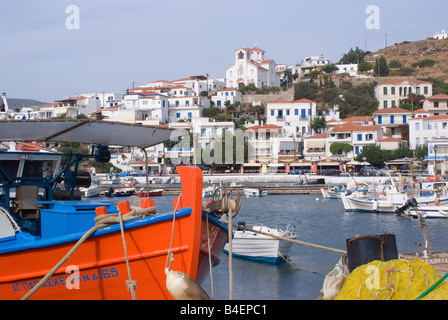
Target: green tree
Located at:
point(421, 151)
point(381, 67)
point(353, 56)
point(365, 66)
point(318, 123)
point(329, 68)
point(339, 147)
point(305, 90)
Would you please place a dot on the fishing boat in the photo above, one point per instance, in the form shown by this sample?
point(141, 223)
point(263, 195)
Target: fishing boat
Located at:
point(332, 193)
point(255, 192)
point(387, 198)
point(119, 192)
point(52, 249)
point(94, 190)
point(261, 243)
point(149, 193)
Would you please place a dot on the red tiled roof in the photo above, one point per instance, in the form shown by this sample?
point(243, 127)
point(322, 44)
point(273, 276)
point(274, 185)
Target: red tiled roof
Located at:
point(390, 139)
point(303, 100)
point(392, 110)
point(267, 127)
point(400, 80)
point(420, 111)
point(438, 96)
point(352, 126)
point(318, 136)
point(358, 119)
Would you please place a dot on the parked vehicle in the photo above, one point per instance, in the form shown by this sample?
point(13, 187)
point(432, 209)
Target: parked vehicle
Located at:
point(368, 171)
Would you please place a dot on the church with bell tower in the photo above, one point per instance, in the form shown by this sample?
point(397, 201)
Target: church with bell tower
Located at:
point(250, 66)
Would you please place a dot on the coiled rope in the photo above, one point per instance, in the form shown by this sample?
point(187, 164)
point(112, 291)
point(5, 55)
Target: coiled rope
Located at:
point(101, 221)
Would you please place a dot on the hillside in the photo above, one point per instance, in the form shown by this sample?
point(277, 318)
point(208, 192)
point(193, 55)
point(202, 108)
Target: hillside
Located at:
point(411, 53)
point(14, 103)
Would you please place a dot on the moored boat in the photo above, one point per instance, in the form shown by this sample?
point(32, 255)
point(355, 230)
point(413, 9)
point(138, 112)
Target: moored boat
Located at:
point(258, 243)
point(37, 232)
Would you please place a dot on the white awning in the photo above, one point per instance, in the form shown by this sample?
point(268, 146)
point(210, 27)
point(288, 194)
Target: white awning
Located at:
point(300, 164)
point(318, 144)
point(86, 131)
point(252, 165)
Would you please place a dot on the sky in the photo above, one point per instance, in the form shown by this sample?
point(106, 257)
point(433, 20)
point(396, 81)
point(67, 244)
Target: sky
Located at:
point(51, 52)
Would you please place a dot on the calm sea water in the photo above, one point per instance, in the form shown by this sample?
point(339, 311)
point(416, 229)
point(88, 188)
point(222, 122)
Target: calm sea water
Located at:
point(322, 222)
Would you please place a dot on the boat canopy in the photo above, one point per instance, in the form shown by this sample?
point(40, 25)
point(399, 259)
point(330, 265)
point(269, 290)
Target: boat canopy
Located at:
point(86, 131)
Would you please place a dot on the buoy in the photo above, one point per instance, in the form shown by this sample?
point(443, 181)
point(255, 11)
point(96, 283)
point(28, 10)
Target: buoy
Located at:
point(182, 287)
point(317, 199)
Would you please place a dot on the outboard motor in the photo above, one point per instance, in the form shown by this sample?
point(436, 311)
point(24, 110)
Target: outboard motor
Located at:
point(410, 203)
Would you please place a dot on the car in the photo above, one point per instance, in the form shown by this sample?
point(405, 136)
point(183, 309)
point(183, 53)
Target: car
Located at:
point(330, 172)
point(368, 171)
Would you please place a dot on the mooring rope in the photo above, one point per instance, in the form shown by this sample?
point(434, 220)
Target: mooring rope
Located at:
point(101, 221)
point(229, 222)
point(291, 240)
point(170, 256)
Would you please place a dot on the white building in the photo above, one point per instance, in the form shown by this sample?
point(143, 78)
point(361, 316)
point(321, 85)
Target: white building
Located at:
point(391, 91)
point(349, 133)
point(350, 69)
point(423, 130)
point(107, 99)
point(436, 105)
point(392, 120)
point(294, 116)
point(250, 66)
point(441, 35)
point(229, 94)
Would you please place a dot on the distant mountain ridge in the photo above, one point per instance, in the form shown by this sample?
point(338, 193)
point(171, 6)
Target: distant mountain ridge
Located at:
point(16, 103)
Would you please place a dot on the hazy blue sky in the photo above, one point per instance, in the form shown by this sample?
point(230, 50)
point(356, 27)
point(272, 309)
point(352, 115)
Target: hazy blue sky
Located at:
point(135, 41)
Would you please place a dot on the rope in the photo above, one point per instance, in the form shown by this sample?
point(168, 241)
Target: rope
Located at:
point(209, 257)
point(130, 284)
point(169, 256)
point(291, 240)
point(100, 222)
point(229, 223)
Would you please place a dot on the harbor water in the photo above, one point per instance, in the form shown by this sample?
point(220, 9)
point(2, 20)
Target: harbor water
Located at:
point(318, 221)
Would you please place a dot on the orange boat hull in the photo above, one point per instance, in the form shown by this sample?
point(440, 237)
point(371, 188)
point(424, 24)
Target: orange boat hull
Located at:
point(99, 264)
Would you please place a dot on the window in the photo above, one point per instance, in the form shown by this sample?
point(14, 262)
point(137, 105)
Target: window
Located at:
point(444, 125)
point(392, 90)
point(385, 91)
point(385, 104)
point(359, 137)
point(296, 112)
point(380, 119)
point(272, 113)
point(417, 141)
point(392, 119)
point(303, 114)
point(404, 119)
point(394, 104)
point(189, 115)
point(369, 137)
point(280, 114)
point(436, 104)
point(287, 112)
point(356, 149)
point(178, 115)
point(417, 126)
point(425, 90)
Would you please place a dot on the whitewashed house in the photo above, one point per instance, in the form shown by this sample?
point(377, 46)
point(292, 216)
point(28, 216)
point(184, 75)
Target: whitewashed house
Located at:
point(249, 67)
point(436, 104)
point(392, 120)
point(423, 130)
point(391, 91)
point(441, 35)
point(293, 116)
point(231, 95)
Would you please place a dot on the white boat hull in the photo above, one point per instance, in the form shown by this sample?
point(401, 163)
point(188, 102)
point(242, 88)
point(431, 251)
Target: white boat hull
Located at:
point(428, 212)
point(259, 247)
point(254, 192)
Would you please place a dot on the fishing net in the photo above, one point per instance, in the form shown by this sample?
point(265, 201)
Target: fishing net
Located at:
point(399, 279)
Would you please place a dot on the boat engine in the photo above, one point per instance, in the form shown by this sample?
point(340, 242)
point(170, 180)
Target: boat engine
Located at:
point(411, 203)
